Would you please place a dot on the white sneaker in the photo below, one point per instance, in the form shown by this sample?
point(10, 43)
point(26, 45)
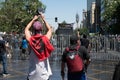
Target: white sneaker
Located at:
point(5, 75)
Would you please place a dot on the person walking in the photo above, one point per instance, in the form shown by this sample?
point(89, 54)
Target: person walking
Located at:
point(76, 57)
point(24, 47)
point(15, 47)
point(3, 56)
point(41, 49)
point(85, 42)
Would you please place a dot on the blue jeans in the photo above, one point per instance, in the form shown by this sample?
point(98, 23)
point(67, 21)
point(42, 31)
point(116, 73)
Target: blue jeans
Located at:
point(4, 63)
point(77, 76)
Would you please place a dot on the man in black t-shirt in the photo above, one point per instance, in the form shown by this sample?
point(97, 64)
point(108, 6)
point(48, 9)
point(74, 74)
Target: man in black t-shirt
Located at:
point(82, 51)
point(85, 42)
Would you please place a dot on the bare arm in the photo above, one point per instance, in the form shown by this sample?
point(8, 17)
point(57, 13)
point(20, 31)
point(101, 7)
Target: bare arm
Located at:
point(49, 32)
point(78, 34)
point(62, 70)
point(89, 48)
point(27, 28)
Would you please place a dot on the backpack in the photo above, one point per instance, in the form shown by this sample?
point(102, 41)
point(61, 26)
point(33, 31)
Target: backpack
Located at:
point(74, 60)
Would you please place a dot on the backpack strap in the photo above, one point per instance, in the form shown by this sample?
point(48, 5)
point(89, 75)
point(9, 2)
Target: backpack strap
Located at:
point(76, 48)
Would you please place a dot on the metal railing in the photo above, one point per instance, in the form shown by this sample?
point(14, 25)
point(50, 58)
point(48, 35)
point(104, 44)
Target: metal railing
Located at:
point(102, 47)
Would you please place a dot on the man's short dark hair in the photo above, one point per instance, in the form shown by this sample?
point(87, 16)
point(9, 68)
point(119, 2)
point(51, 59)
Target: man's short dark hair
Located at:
point(84, 36)
point(73, 39)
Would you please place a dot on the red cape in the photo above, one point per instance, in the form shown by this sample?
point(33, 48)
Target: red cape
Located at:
point(35, 45)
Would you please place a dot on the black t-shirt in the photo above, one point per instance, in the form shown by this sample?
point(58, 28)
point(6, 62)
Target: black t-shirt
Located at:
point(84, 42)
point(82, 52)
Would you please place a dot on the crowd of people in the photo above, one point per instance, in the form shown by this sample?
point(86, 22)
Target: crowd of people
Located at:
point(12, 47)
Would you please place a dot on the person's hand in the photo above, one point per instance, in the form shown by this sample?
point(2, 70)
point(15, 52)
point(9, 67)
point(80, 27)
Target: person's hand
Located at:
point(42, 16)
point(35, 17)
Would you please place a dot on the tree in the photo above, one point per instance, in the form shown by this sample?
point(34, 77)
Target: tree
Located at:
point(111, 15)
point(83, 30)
point(15, 14)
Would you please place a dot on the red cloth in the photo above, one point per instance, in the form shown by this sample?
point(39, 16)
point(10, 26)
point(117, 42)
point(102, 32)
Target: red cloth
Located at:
point(36, 46)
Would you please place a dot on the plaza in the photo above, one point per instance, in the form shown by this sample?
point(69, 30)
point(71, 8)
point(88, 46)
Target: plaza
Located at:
point(97, 70)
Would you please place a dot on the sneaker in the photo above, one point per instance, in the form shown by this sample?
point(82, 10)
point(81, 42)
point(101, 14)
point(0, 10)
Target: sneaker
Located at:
point(5, 75)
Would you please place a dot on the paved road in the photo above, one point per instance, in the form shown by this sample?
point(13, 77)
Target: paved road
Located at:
point(98, 70)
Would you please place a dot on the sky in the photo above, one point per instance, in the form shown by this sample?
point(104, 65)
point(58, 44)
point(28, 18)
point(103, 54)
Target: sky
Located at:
point(64, 10)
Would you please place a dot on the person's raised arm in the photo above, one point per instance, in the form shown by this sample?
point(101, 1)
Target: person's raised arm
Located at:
point(49, 28)
point(27, 28)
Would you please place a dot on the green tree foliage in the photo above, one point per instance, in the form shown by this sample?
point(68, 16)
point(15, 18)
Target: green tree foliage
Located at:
point(111, 15)
point(15, 14)
point(83, 30)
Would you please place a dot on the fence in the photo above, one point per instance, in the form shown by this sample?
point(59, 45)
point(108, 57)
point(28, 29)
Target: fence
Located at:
point(102, 47)
point(105, 43)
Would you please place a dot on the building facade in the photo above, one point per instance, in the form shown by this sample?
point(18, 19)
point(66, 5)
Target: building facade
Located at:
point(89, 4)
point(63, 32)
point(94, 16)
point(64, 29)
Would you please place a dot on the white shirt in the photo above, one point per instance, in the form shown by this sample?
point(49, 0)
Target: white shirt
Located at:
point(38, 70)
